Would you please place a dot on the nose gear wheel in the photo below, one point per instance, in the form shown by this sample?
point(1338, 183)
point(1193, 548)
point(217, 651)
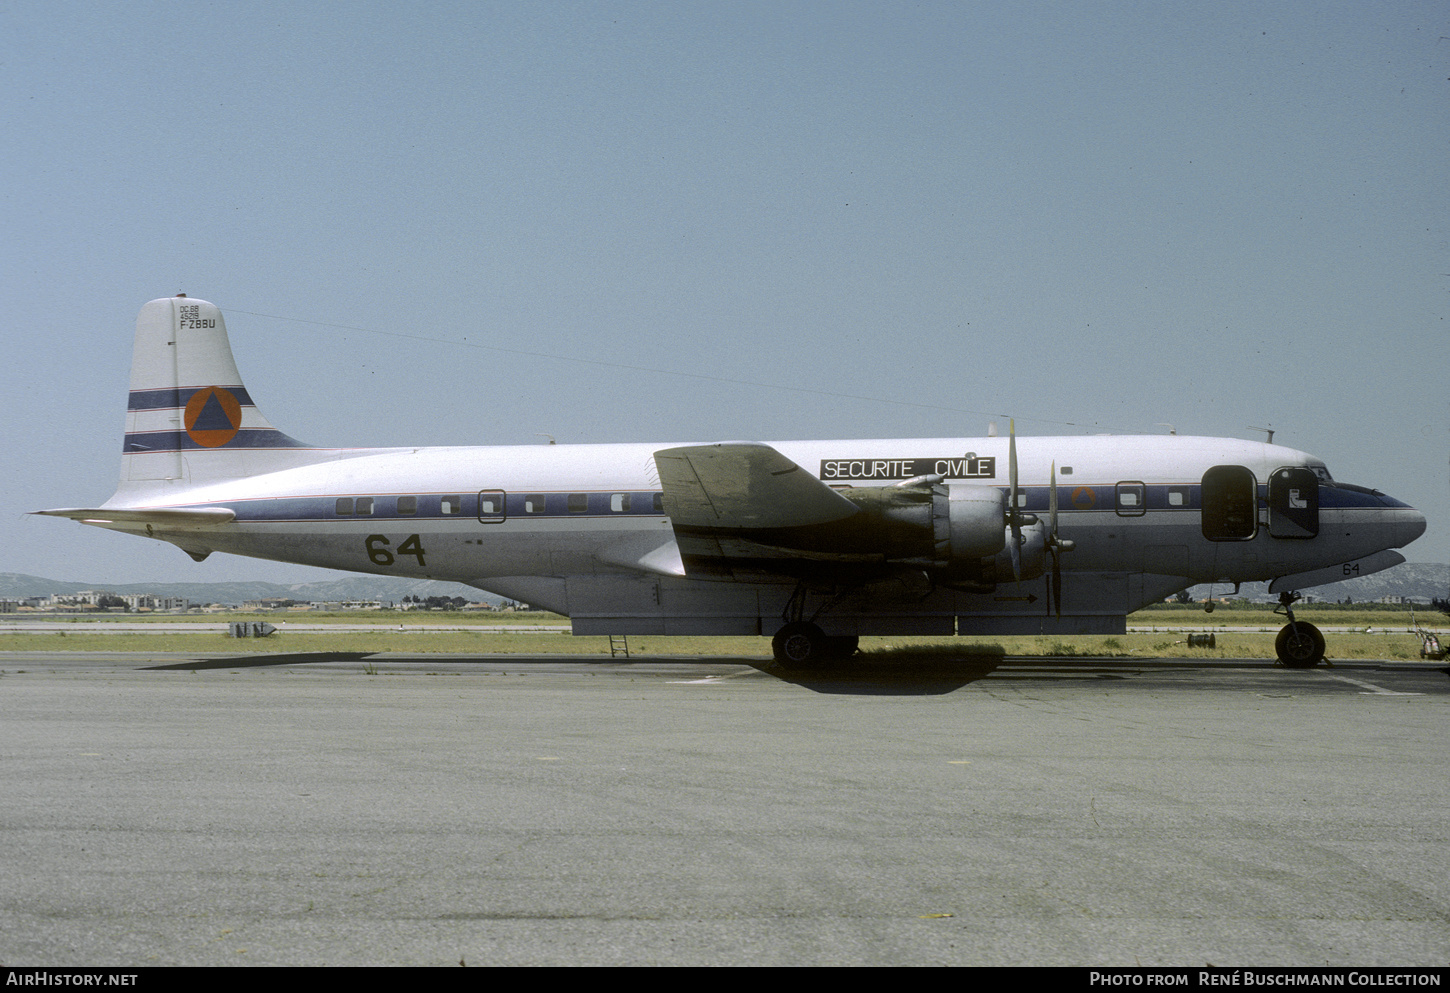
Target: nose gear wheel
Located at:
point(1299, 645)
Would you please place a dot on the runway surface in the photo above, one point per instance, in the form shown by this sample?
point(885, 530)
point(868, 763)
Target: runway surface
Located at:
point(387, 809)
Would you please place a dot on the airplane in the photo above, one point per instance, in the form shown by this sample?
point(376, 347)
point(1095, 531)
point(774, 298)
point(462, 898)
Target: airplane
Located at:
point(814, 543)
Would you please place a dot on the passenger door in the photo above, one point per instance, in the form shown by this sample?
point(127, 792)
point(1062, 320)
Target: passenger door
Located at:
point(1230, 503)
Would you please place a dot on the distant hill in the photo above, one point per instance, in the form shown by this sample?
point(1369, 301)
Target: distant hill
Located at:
point(1420, 580)
point(14, 585)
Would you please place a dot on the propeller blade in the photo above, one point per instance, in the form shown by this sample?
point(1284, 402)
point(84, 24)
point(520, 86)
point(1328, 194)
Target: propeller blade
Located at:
point(1057, 580)
point(1052, 501)
point(1056, 545)
point(1014, 516)
point(1012, 462)
point(1054, 589)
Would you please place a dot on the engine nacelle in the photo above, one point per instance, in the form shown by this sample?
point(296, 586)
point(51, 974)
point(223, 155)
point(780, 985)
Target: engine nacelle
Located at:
point(1033, 555)
point(931, 525)
point(975, 516)
point(956, 534)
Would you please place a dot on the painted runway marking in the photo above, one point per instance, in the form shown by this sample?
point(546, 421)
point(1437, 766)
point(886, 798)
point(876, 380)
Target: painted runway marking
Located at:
point(713, 679)
point(1370, 688)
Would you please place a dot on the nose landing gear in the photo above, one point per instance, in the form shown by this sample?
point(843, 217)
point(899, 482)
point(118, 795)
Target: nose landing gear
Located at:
point(1300, 645)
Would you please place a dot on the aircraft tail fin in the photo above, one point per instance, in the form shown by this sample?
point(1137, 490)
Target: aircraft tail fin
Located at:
point(189, 420)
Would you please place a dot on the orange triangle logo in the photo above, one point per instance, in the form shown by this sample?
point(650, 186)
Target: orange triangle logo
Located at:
point(213, 416)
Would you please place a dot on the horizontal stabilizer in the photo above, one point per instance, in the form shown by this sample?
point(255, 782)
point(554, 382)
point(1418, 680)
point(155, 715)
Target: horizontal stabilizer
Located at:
point(193, 517)
point(743, 485)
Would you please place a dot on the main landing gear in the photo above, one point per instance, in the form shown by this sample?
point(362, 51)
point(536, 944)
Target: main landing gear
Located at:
point(1299, 645)
point(801, 644)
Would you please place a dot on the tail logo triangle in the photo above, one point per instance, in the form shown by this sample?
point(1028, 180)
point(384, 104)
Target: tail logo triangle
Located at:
point(213, 416)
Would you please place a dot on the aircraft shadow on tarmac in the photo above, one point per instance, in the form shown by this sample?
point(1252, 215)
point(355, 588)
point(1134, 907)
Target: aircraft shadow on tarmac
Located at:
point(925, 671)
point(886, 674)
point(255, 661)
point(911, 671)
point(907, 671)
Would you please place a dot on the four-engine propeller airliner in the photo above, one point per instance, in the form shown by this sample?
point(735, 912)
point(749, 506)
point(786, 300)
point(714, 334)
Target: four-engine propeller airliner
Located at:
point(813, 542)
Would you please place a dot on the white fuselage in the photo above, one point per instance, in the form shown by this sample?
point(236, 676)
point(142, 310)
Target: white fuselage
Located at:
point(577, 528)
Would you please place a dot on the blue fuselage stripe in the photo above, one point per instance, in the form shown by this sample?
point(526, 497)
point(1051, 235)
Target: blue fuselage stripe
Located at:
point(169, 399)
point(518, 505)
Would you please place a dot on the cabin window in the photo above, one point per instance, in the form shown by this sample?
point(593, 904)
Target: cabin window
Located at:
point(578, 503)
point(450, 505)
point(619, 503)
point(491, 505)
point(1132, 499)
point(344, 506)
point(365, 506)
point(1178, 496)
point(534, 503)
point(407, 505)
point(1065, 471)
point(659, 503)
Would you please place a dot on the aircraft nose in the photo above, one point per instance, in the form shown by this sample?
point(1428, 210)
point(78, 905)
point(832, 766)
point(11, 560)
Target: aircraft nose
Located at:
point(1405, 522)
point(1411, 526)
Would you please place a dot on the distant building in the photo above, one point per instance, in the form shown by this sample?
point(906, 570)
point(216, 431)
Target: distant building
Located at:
point(149, 601)
point(84, 600)
point(270, 603)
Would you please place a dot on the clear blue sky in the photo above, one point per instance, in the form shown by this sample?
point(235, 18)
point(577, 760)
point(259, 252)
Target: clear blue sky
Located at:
point(1093, 216)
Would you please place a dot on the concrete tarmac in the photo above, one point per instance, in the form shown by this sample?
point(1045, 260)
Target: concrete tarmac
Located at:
point(504, 810)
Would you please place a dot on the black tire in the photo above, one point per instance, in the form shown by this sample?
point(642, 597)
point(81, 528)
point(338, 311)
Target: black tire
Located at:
point(1300, 646)
point(800, 644)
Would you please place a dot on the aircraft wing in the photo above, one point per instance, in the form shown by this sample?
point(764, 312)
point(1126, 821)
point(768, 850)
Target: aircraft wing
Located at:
point(743, 485)
point(728, 504)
